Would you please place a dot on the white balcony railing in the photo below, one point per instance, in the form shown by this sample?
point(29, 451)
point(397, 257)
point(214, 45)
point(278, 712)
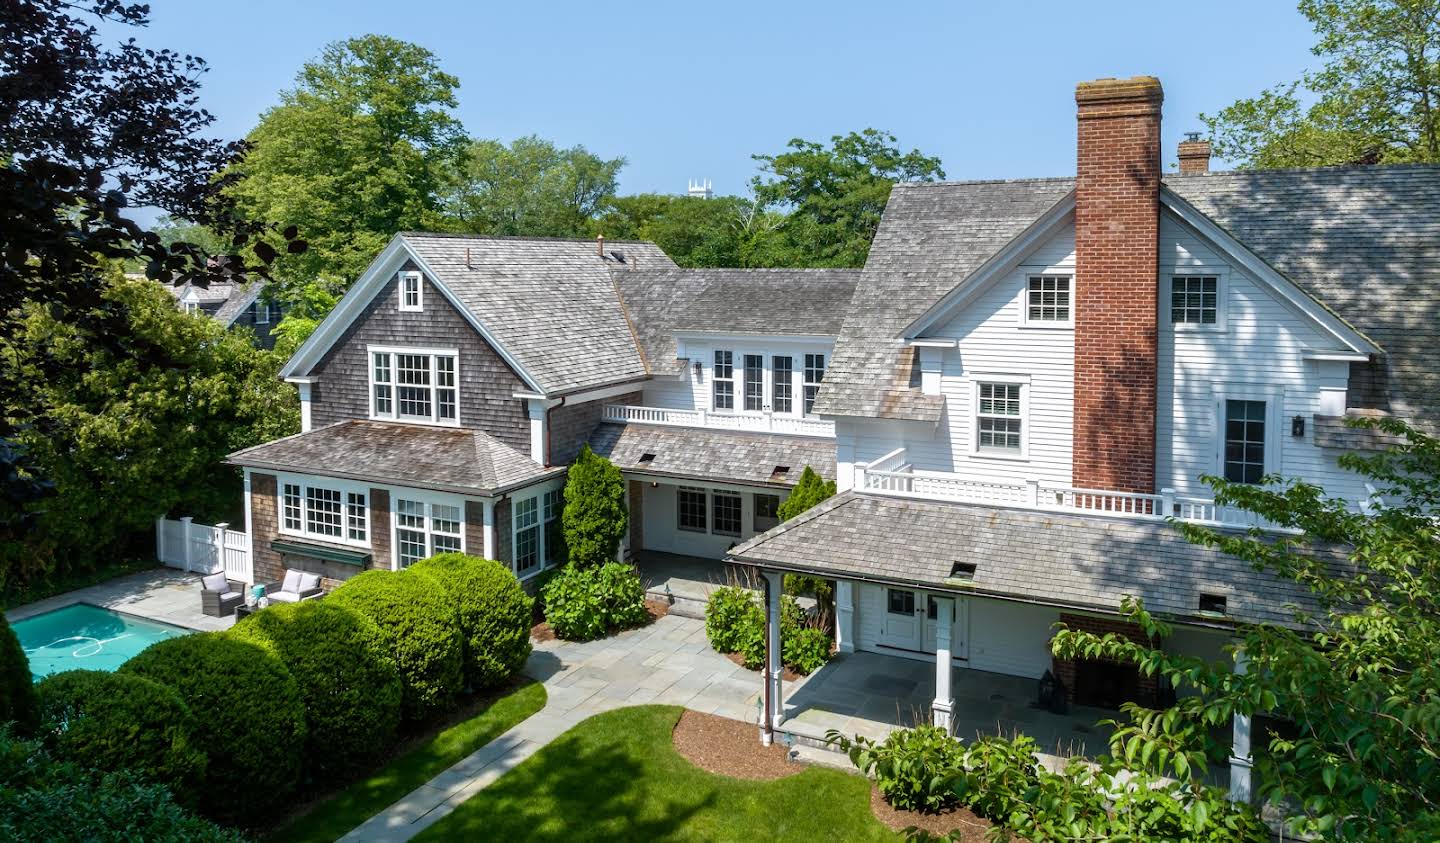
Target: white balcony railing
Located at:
point(749, 422)
point(891, 475)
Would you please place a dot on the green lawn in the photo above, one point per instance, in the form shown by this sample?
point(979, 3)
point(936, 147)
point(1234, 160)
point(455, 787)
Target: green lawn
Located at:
point(617, 776)
point(357, 803)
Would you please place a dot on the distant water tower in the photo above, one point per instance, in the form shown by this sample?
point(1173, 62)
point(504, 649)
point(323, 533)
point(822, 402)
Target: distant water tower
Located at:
point(700, 189)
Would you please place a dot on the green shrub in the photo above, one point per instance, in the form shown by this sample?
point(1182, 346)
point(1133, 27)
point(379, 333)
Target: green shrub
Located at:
point(730, 613)
point(114, 721)
point(582, 604)
point(735, 623)
point(494, 613)
point(17, 690)
point(595, 519)
point(809, 490)
point(806, 649)
point(999, 772)
point(421, 634)
point(347, 679)
point(915, 769)
point(248, 708)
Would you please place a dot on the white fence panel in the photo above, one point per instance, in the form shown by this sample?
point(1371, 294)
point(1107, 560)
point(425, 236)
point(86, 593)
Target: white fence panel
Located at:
point(203, 549)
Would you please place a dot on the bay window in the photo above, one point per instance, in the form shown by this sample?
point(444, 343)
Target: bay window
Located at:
point(326, 510)
point(426, 526)
point(414, 385)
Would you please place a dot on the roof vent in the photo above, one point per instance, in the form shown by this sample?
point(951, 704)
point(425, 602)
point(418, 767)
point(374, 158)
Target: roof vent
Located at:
point(618, 256)
point(644, 458)
point(600, 245)
point(962, 571)
point(778, 475)
point(1212, 604)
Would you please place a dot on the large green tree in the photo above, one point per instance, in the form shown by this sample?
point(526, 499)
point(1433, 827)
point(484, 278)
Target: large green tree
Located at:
point(1375, 100)
point(1355, 684)
point(726, 231)
point(531, 187)
point(353, 154)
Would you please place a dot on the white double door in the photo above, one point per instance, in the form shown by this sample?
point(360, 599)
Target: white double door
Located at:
point(909, 622)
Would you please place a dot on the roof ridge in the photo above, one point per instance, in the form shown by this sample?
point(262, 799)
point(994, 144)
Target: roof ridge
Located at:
point(955, 182)
point(520, 238)
point(1329, 168)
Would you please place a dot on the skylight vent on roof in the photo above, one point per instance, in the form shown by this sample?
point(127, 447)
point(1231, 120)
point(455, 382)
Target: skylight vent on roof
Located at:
point(778, 475)
point(1212, 604)
point(646, 458)
point(962, 571)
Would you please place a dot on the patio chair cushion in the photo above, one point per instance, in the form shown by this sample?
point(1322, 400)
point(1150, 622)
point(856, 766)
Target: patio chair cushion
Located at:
point(309, 582)
point(292, 581)
point(216, 582)
point(284, 597)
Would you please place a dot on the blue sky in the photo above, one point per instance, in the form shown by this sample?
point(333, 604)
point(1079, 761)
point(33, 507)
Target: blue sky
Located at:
point(688, 90)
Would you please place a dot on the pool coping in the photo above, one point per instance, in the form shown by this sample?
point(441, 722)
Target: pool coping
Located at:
point(171, 630)
point(160, 595)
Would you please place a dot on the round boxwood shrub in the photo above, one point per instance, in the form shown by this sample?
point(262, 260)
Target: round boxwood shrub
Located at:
point(493, 610)
point(17, 690)
point(115, 721)
point(421, 634)
point(582, 604)
point(247, 707)
point(347, 678)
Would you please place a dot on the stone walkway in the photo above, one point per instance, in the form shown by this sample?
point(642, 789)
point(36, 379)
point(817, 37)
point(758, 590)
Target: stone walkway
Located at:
point(669, 662)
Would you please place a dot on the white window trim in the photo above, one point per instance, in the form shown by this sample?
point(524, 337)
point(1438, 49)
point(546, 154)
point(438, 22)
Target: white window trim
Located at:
point(419, 279)
point(394, 414)
point(344, 487)
point(262, 312)
point(781, 346)
point(825, 361)
point(736, 399)
point(429, 499)
point(704, 492)
point(1028, 272)
point(1222, 296)
point(714, 494)
point(1023, 381)
point(1274, 398)
point(537, 494)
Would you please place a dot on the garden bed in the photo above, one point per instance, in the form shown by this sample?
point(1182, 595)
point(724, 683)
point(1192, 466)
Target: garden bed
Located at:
point(657, 609)
point(972, 828)
point(730, 748)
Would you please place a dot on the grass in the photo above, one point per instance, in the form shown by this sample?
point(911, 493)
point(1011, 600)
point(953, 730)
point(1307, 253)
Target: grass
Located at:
point(331, 818)
point(617, 776)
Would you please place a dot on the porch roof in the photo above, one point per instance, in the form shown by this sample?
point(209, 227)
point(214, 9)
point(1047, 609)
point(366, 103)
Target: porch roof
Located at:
point(419, 456)
point(720, 455)
point(1079, 562)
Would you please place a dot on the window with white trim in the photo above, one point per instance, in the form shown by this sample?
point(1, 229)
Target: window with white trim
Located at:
point(411, 291)
point(535, 532)
point(726, 507)
point(782, 383)
point(690, 508)
point(1244, 441)
point(767, 512)
point(1047, 299)
point(331, 513)
point(999, 424)
point(191, 307)
point(527, 536)
point(1195, 299)
point(414, 385)
point(425, 527)
point(552, 503)
point(814, 374)
point(754, 382)
point(723, 380)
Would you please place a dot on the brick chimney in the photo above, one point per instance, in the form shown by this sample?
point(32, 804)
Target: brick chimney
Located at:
point(1117, 222)
point(1194, 154)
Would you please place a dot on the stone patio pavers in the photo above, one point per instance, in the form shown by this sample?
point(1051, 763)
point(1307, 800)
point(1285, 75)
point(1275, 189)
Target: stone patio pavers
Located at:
point(162, 594)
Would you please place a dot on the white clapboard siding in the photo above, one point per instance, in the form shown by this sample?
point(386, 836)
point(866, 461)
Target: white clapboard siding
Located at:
point(1010, 638)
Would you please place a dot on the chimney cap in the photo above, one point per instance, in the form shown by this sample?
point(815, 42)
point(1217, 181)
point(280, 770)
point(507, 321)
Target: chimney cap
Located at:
point(1136, 88)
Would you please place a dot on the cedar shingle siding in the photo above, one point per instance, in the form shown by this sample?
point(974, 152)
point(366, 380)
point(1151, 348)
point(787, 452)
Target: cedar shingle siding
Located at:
point(572, 424)
point(487, 383)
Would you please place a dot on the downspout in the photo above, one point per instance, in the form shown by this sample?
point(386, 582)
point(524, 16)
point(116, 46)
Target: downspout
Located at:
point(548, 452)
point(767, 728)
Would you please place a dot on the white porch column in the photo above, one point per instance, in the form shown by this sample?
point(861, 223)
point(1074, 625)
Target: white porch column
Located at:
point(1240, 761)
point(774, 663)
point(304, 406)
point(487, 517)
point(536, 410)
point(845, 616)
point(943, 707)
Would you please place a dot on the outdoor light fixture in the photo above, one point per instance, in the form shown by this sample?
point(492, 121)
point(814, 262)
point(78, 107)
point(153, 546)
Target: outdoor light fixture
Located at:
point(699, 371)
point(1297, 426)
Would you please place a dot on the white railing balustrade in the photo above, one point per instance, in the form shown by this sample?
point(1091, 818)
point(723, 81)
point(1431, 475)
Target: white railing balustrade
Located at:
point(748, 422)
point(203, 549)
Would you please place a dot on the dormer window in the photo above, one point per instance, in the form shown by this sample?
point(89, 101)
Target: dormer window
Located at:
point(417, 385)
point(411, 291)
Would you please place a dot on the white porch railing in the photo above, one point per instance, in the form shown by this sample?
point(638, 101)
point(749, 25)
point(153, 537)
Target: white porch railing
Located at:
point(890, 475)
point(203, 549)
point(750, 422)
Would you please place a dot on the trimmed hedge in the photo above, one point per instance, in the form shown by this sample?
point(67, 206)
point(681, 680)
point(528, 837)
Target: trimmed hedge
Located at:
point(582, 604)
point(420, 631)
point(115, 721)
point(346, 676)
point(248, 709)
point(493, 610)
point(17, 691)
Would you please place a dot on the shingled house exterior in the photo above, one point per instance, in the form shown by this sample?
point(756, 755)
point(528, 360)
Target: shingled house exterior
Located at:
point(1023, 385)
point(232, 305)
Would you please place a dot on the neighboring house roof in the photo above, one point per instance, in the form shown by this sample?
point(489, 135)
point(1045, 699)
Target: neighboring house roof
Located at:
point(424, 457)
point(223, 300)
point(239, 300)
point(1062, 560)
point(753, 301)
point(718, 455)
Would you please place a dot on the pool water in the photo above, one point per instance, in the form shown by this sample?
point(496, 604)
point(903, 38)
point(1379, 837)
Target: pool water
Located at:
point(86, 637)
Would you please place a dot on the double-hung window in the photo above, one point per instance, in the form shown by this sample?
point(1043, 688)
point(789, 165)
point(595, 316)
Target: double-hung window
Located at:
point(999, 418)
point(527, 536)
point(326, 512)
point(754, 382)
point(767, 512)
point(726, 507)
point(411, 291)
point(1047, 299)
point(723, 380)
point(1244, 441)
point(552, 503)
point(425, 527)
point(414, 385)
point(690, 506)
point(782, 384)
point(814, 374)
point(1195, 300)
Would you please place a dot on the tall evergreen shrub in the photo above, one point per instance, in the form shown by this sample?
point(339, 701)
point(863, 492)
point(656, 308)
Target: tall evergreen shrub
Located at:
point(595, 517)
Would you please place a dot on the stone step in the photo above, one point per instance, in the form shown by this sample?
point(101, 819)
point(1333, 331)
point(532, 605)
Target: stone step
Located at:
point(681, 605)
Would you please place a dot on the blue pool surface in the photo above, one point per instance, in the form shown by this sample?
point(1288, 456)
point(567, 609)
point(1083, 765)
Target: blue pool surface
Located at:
point(86, 637)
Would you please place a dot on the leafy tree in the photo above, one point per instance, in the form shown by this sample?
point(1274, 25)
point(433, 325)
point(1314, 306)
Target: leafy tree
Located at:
point(595, 517)
point(1358, 680)
point(352, 155)
point(726, 231)
point(18, 705)
point(531, 187)
point(836, 194)
point(1376, 100)
point(808, 492)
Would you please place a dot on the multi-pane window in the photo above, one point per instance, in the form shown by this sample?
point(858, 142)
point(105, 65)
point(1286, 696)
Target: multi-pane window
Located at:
point(767, 512)
point(414, 386)
point(1048, 298)
point(410, 535)
point(900, 602)
point(726, 507)
point(1244, 441)
point(552, 503)
point(998, 418)
point(782, 383)
point(410, 291)
point(527, 536)
point(723, 380)
point(425, 528)
point(355, 517)
point(814, 374)
point(754, 382)
point(690, 504)
point(292, 507)
point(445, 525)
point(322, 511)
point(325, 513)
point(1194, 299)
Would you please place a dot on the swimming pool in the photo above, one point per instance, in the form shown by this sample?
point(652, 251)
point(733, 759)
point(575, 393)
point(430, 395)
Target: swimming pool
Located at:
point(86, 637)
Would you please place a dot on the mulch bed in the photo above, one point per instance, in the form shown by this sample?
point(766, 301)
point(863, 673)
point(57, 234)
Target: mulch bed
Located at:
point(972, 827)
point(730, 748)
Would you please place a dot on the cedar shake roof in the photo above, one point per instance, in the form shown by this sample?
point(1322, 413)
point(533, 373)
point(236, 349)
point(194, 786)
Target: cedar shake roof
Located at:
point(718, 455)
point(755, 301)
point(1064, 560)
point(425, 457)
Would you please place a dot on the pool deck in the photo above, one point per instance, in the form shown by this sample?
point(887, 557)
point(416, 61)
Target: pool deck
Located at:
point(162, 594)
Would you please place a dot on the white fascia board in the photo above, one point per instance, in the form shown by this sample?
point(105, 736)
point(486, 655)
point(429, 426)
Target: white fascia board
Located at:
point(933, 343)
point(998, 264)
point(1307, 305)
point(1335, 356)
